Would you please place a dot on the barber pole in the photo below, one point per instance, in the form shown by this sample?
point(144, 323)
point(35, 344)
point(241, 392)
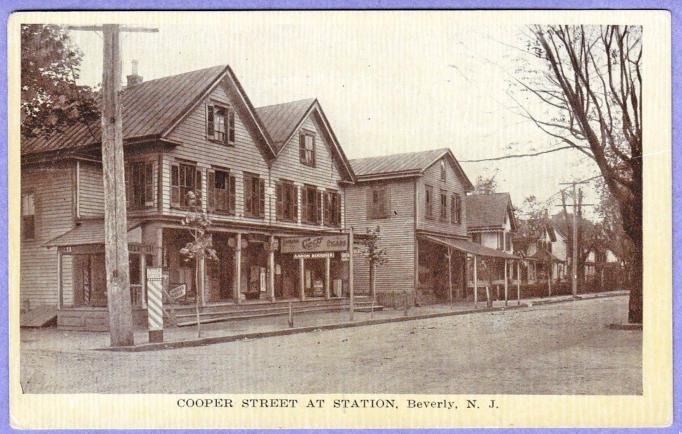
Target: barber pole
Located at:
point(155, 303)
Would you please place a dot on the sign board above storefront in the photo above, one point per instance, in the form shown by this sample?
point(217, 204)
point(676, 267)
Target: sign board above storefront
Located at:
point(320, 243)
point(313, 255)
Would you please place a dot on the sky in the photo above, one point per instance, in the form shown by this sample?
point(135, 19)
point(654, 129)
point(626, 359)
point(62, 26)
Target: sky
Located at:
point(388, 82)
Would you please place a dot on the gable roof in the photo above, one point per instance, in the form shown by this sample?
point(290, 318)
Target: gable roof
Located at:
point(150, 111)
point(283, 120)
point(488, 211)
point(405, 164)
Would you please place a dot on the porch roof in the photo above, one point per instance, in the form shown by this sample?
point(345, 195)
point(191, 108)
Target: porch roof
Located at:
point(543, 255)
point(87, 232)
point(469, 247)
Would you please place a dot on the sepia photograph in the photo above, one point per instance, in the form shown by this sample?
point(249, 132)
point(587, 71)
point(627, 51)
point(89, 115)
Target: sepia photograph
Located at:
point(369, 204)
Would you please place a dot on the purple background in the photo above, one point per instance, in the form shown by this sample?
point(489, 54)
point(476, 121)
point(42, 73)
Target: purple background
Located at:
point(9, 6)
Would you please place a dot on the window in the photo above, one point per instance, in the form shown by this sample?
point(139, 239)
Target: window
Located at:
point(332, 208)
point(185, 178)
point(429, 202)
point(476, 238)
point(379, 203)
point(442, 170)
point(456, 209)
point(443, 206)
point(139, 179)
point(312, 200)
point(307, 148)
point(220, 124)
point(287, 201)
point(28, 213)
point(221, 191)
point(254, 196)
point(500, 241)
point(507, 241)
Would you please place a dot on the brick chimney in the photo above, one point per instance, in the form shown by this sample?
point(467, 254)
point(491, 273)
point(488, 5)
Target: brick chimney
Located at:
point(134, 78)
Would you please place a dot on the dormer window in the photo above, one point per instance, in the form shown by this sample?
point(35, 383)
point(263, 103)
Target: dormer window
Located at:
point(220, 124)
point(307, 148)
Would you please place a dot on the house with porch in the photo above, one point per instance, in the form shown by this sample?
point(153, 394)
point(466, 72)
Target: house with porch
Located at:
point(418, 202)
point(262, 174)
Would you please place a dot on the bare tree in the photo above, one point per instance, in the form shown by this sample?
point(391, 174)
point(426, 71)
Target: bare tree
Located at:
point(593, 85)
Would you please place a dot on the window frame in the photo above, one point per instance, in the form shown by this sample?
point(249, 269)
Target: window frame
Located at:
point(456, 209)
point(147, 187)
point(195, 188)
point(311, 207)
point(379, 209)
point(500, 241)
point(282, 187)
point(254, 199)
point(228, 116)
point(443, 211)
point(229, 191)
point(443, 171)
point(332, 208)
point(303, 150)
point(32, 195)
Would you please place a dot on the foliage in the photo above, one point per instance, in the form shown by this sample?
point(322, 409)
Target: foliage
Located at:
point(198, 223)
point(486, 184)
point(370, 247)
point(590, 81)
point(50, 97)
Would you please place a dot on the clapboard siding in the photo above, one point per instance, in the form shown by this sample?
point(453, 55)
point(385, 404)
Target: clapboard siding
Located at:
point(91, 191)
point(54, 208)
point(325, 174)
point(452, 184)
point(397, 236)
point(244, 156)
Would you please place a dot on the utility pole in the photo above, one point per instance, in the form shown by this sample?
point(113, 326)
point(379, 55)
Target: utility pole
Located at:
point(115, 219)
point(574, 231)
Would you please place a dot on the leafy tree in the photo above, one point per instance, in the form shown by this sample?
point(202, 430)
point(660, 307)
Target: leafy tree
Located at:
point(50, 97)
point(201, 247)
point(486, 184)
point(589, 85)
point(375, 256)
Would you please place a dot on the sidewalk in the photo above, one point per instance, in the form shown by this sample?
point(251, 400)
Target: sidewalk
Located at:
point(177, 337)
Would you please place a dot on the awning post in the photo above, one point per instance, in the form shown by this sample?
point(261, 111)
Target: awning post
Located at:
point(518, 282)
point(475, 282)
point(506, 283)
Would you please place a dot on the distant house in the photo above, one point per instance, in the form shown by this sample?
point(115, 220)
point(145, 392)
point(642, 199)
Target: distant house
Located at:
point(548, 248)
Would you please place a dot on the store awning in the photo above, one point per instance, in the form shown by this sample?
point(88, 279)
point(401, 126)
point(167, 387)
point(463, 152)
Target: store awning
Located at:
point(470, 247)
point(89, 232)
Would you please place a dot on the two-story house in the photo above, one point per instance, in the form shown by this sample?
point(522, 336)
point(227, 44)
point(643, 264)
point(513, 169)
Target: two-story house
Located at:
point(260, 174)
point(418, 201)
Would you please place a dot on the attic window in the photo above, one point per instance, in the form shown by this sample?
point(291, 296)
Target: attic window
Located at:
point(307, 148)
point(220, 124)
point(442, 170)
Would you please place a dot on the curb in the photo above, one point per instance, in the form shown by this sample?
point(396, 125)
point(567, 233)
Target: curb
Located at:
point(582, 297)
point(199, 342)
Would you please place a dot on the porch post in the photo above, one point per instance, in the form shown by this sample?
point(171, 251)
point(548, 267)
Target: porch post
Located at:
point(549, 278)
point(143, 280)
point(465, 274)
point(450, 273)
point(236, 293)
point(518, 282)
point(475, 281)
point(301, 280)
point(158, 247)
point(271, 268)
point(327, 277)
point(60, 288)
point(506, 282)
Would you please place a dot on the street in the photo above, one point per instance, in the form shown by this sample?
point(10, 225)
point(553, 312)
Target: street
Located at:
point(562, 348)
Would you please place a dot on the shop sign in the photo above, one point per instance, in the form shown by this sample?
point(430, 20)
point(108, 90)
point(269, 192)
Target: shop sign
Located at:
point(345, 256)
point(321, 243)
point(313, 255)
point(155, 273)
point(178, 292)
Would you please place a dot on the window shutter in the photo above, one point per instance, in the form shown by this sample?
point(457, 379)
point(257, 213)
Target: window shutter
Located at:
point(210, 189)
point(387, 201)
point(313, 160)
point(175, 185)
point(129, 184)
point(230, 126)
point(149, 185)
point(261, 197)
point(294, 190)
point(279, 193)
point(370, 203)
point(210, 121)
point(301, 147)
point(319, 198)
point(198, 188)
point(231, 200)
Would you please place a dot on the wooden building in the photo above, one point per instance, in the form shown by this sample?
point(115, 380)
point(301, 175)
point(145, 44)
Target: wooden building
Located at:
point(417, 200)
point(261, 174)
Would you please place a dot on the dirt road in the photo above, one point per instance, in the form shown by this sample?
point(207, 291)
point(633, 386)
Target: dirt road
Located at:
point(554, 349)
